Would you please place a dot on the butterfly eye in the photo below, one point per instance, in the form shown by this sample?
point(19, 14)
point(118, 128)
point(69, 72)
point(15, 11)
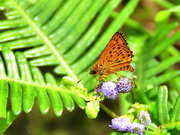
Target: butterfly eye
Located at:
point(93, 72)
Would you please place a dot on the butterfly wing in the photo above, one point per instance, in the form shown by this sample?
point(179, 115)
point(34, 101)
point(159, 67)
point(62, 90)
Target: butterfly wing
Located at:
point(117, 38)
point(116, 54)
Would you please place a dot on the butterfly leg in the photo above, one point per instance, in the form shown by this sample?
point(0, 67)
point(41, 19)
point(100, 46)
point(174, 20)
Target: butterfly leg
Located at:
point(97, 81)
point(97, 84)
point(102, 78)
point(118, 74)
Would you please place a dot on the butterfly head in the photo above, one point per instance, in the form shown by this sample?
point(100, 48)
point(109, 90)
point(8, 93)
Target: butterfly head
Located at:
point(93, 72)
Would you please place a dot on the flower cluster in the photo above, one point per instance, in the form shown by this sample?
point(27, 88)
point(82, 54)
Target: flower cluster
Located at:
point(124, 84)
point(121, 124)
point(134, 122)
point(124, 124)
point(144, 117)
point(111, 89)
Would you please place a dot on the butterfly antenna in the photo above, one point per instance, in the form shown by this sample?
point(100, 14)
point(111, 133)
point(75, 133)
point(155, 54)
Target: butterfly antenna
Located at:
point(82, 78)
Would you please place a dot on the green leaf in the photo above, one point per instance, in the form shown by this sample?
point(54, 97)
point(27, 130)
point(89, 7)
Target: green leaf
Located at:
point(151, 129)
point(164, 15)
point(12, 70)
point(176, 111)
point(173, 95)
point(164, 3)
point(28, 93)
point(27, 83)
point(164, 77)
point(164, 44)
point(3, 91)
point(5, 123)
point(163, 114)
point(53, 95)
point(79, 101)
point(163, 65)
point(159, 35)
point(41, 93)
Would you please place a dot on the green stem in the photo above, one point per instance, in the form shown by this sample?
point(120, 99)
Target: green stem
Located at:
point(108, 111)
point(166, 126)
point(123, 103)
point(46, 41)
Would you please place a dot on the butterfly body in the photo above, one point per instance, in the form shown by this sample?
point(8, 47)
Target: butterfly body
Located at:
point(116, 57)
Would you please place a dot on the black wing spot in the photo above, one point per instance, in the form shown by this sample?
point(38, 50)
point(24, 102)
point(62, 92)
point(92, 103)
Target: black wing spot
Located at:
point(119, 47)
point(110, 52)
point(128, 55)
point(123, 57)
point(127, 51)
point(117, 61)
point(115, 52)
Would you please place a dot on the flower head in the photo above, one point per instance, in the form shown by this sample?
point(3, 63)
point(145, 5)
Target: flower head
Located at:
point(124, 84)
point(137, 128)
point(144, 117)
point(109, 89)
point(121, 124)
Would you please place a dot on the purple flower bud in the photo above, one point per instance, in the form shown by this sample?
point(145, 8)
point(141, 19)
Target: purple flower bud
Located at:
point(144, 117)
point(121, 124)
point(137, 128)
point(124, 84)
point(109, 89)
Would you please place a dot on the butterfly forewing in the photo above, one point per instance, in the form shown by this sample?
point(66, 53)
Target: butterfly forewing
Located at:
point(116, 56)
point(116, 52)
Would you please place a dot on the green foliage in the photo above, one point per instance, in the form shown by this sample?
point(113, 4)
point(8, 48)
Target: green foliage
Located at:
point(65, 38)
point(50, 39)
point(27, 83)
point(24, 83)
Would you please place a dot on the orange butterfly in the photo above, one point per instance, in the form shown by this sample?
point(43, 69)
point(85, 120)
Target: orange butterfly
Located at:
point(116, 57)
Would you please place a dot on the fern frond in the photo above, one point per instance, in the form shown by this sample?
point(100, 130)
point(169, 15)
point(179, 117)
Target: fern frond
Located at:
point(25, 83)
point(53, 36)
point(163, 114)
point(148, 68)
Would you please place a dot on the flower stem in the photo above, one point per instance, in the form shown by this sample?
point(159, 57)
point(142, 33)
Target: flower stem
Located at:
point(108, 111)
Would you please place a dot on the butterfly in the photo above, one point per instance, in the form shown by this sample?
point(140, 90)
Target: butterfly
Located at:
point(116, 57)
